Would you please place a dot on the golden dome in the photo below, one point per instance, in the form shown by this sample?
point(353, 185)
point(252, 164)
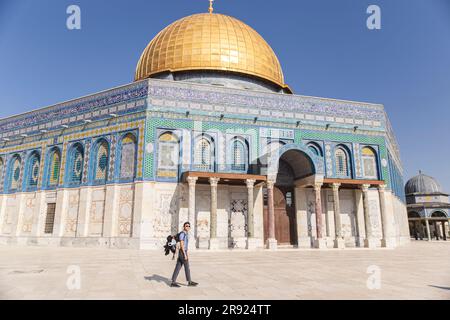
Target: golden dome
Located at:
point(210, 41)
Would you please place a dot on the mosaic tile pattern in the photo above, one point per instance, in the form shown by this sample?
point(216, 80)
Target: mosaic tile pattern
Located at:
point(42, 166)
point(73, 110)
point(244, 111)
point(112, 158)
point(357, 159)
point(102, 159)
point(87, 153)
point(263, 101)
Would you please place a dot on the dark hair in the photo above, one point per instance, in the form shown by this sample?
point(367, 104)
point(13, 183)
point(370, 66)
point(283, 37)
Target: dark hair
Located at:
point(184, 225)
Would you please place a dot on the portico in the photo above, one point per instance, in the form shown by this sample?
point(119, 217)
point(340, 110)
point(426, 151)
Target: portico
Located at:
point(292, 206)
point(215, 180)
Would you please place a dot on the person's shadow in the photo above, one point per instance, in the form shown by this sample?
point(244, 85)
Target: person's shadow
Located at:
point(439, 287)
point(159, 278)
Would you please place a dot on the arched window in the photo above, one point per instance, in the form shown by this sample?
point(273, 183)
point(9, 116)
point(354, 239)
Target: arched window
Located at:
point(204, 154)
point(101, 161)
point(76, 164)
point(239, 155)
point(14, 173)
point(33, 169)
point(128, 157)
point(54, 167)
point(315, 149)
point(369, 160)
point(168, 155)
point(341, 162)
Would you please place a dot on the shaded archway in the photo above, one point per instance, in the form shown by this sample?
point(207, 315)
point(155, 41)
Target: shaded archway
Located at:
point(439, 221)
point(416, 226)
point(291, 165)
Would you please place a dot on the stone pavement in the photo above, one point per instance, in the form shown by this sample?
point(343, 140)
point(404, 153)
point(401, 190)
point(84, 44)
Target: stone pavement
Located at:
point(418, 271)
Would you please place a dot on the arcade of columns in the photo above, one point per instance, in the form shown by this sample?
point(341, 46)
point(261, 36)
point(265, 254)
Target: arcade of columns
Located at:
point(369, 241)
point(440, 231)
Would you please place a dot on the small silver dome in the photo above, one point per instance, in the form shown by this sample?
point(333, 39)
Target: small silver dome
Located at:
point(422, 184)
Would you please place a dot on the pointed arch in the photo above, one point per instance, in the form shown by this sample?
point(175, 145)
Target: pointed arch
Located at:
point(312, 165)
point(128, 152)
point(439, 214)
point(76, 164)
point(239, 154)
point(315, 148)
point(370, 163)
point(204, 153)
point(32, 170)
point(14, 173)
point(168, 155)
point(342, 162)
point(53, 167)
point(100, 160)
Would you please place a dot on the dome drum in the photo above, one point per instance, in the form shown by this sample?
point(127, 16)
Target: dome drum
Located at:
point(222, 78)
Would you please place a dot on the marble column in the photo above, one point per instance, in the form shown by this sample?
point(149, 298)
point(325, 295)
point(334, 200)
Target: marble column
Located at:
point(387, 241)
point(251, 243)
point(271, 241)
point(427, 224)
point(369, 242)
point(110, 221)
point(192, 220)
point(437, 230)
point(301, 207)
point(359, 218)
point(320, 242)
point(339, 241)
point(444, 233)
point(213, 241)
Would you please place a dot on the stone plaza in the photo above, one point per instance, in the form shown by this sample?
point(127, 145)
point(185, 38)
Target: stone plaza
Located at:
point(419, 270)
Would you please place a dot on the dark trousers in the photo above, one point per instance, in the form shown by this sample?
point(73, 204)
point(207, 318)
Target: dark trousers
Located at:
point(181, 262)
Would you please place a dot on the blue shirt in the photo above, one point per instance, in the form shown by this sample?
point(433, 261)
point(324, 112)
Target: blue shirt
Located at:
point(185, 237)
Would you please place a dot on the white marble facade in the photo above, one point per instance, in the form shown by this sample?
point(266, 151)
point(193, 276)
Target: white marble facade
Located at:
point(143, 214)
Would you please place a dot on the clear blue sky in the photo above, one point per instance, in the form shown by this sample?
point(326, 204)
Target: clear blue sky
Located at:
point(323, 45)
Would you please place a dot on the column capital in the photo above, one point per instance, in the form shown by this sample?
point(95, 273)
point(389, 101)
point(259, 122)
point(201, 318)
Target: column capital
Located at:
point(317, 187)
point(335, 186)
point(365, 187)
point(192, 180)
point(381, 187)
point(270, 184)
point(213, 181)
point(250, 183)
